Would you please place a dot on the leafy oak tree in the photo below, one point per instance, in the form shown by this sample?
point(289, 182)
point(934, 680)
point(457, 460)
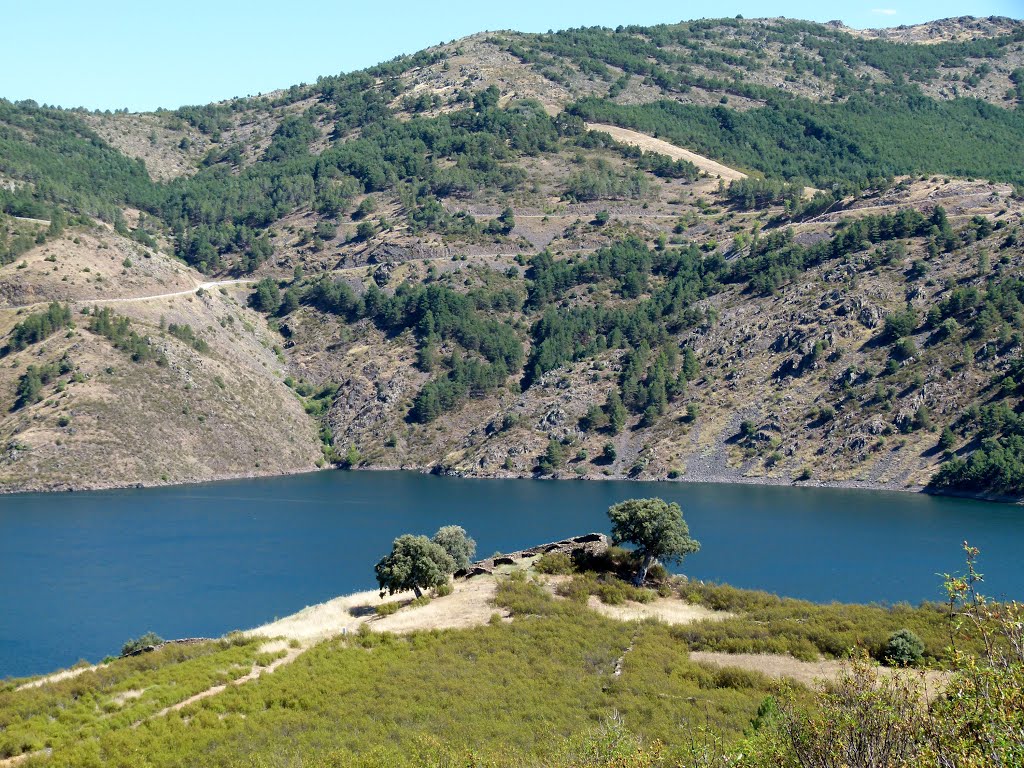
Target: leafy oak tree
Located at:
point(459, 546)
point(416, 563)
point(657, 530)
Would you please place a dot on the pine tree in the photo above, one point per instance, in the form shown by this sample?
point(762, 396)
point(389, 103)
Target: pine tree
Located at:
point(616, 412)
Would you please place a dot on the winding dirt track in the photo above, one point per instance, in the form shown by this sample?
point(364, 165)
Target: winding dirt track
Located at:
point(291, 655)
point(201, 287)
point(207, 286)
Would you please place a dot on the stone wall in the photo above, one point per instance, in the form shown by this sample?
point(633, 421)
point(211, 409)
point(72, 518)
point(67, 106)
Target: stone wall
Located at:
point(588, 545)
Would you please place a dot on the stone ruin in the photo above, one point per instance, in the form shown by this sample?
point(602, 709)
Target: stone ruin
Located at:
point(578, 547)
point(165, 643)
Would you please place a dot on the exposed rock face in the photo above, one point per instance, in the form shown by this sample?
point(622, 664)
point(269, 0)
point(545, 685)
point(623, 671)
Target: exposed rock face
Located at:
point(382, 274)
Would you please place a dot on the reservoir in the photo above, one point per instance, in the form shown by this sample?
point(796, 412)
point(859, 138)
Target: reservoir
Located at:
point(80, 573)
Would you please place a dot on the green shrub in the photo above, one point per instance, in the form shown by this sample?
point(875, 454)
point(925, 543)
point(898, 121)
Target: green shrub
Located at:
point(523, 597)
point(738, 678)
point(443, 590)
point(610, 593)
point(386, 609)
point(554, 563)
point(657, 573)
point(266, 659)
point(575, 589)
point(607, 587)
point(143, 641)
point(904, 649)
point(186, 334)
point(641, 595)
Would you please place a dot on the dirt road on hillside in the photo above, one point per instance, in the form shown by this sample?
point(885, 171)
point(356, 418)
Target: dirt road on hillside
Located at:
point(651, 144)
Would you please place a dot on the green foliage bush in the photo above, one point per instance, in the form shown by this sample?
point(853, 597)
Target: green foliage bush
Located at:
point(443, 590)
point(558, 563)
point(904, 649)
point(976, 721)
point(445, 695)
point(608, 588)
point(143, 641)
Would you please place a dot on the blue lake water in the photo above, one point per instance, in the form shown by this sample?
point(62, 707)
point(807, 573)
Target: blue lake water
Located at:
point(80, 573)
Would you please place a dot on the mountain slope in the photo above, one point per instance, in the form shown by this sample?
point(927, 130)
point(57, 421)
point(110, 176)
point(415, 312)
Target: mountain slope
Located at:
point(459, 275)
point(198, 397)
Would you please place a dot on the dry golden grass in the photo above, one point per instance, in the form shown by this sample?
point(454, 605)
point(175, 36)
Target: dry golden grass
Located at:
point(811, 673)
point(470, 604)
point(662, 147)
point(667, 609)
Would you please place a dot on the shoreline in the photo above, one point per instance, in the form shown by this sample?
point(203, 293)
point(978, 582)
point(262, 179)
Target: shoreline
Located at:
point(709, 479)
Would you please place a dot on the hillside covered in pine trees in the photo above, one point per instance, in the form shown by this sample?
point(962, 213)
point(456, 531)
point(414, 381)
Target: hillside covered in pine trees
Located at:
point(745, 250)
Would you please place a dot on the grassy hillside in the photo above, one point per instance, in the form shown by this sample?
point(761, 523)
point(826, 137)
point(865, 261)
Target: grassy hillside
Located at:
point(547, 681)
point(455, 273)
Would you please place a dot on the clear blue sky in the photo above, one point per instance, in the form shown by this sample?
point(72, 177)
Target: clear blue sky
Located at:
point(109, 54)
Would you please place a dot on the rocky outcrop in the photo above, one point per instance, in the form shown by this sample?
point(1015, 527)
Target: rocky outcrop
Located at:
point(579, 547)
point(165, 643)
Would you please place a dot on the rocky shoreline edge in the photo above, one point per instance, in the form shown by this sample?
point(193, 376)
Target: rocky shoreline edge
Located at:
point(685, 479)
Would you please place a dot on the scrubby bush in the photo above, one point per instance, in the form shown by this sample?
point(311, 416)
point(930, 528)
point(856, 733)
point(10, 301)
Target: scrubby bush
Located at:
point(524, 597)
point(268, 658)
point(608, 588)
point(576, 590)
point(610, 592)
point(443, 590)
point(143, 641)
point(186, 334)
point(865, 718)
point(554, 563)
point(658, 573)
point(904, 649)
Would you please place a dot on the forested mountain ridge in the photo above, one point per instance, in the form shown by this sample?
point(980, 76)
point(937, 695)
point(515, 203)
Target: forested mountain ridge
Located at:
point(456, 268)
